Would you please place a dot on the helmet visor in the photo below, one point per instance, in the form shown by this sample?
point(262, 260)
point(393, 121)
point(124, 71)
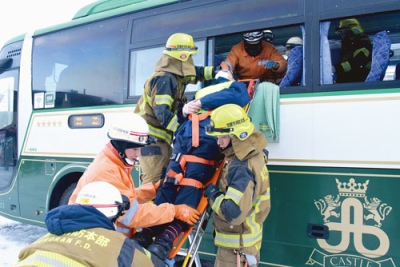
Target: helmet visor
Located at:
point(252, 36)
point(182, 48)
point(212, 129)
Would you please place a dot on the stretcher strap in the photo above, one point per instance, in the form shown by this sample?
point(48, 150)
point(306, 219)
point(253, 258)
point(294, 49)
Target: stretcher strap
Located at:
point(196, 118)
point(191, 158)
point(180, 180)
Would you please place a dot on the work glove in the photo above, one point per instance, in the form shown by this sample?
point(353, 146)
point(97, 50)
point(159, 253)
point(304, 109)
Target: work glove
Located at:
point(212, 192)
point(210, 189)
point(191, 107)
point(186, 214)
point(270, 64)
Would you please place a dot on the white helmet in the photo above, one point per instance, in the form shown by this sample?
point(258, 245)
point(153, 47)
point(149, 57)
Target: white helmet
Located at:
point(293, 41)
point(103, 196)
point(269, 36)
point(131, 128)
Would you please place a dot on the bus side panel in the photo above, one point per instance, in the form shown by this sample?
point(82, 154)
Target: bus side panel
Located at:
point(332, 217)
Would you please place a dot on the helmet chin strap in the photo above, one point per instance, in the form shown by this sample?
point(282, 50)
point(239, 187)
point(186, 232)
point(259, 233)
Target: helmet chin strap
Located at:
point(125, 160)
point(129, 162)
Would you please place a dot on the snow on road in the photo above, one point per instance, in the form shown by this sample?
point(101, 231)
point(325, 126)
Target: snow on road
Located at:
point(13, 237)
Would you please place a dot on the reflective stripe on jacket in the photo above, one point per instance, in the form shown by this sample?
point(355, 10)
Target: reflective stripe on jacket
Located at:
point(245, 203)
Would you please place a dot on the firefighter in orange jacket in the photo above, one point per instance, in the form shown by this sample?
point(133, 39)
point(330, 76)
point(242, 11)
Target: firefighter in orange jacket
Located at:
point(114, 164)
point(254, 58)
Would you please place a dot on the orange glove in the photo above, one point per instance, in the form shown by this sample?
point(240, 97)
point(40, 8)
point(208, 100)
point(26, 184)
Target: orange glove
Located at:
point(186, 214)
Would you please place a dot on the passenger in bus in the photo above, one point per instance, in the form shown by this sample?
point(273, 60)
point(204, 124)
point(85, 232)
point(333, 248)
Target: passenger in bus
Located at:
point(294, 70)
point(241, 202)
point(254, 58)
point(193, 162)
point(356, 52)
point(163, 98)
point(291, 43)
point(129, 134)
point(98, 206)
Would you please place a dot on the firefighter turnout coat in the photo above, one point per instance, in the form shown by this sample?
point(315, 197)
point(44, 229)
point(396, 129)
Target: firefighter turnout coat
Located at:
point(243, 202)
point(82, 236)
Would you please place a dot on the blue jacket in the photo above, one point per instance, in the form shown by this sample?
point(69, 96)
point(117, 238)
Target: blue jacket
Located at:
point(221, 93)
point(71, 218)
point(82, 236)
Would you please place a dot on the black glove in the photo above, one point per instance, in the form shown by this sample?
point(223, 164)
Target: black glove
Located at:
point(210, 189)
point(212, 192)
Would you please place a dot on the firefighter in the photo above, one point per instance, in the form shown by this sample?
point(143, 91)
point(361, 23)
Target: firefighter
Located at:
point(184, 182)
point(163, 98)
point(269, 36)
point(84, 235)
point(241, 202)
point(254, 58)
point(114, 164)
point(356, 48)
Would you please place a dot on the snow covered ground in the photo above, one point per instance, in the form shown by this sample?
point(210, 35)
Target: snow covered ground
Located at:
point(13, 237)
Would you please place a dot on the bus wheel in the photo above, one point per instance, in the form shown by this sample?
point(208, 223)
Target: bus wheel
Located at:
point(67, 194)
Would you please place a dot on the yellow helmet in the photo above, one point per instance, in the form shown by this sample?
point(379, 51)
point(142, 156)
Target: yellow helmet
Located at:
point(180, 46)
point(347, 25)
point(230, 119)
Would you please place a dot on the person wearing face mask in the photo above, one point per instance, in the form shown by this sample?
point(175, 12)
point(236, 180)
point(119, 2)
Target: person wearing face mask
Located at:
point(114, 163)
point(163, 98)
point(254, 58)
point(356, 52)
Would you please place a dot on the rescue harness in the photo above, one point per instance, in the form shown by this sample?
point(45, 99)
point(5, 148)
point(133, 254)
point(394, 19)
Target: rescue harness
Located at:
point(178, 178)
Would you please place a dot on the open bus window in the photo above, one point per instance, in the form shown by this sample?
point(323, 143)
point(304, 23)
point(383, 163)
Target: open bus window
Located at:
point(278, 37)
point(360, 48)
point(80, 66)
point(142, 63)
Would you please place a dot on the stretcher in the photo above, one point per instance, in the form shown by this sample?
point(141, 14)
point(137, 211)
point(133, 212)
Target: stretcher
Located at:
point(194, 234)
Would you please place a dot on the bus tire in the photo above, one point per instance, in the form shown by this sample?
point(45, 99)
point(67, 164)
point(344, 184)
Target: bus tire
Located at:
point(67, 194)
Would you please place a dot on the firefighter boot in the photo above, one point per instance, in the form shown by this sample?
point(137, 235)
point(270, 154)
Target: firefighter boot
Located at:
point(143, 239)
point(161, 247)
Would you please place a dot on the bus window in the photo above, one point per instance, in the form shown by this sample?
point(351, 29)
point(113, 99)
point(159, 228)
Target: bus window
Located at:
point(349, 48)
point(8, 141)
point(142, 63)
point(81, 66)
point(294, 76)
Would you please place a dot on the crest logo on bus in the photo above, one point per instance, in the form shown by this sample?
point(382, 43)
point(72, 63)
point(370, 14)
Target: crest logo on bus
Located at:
point(353, 218)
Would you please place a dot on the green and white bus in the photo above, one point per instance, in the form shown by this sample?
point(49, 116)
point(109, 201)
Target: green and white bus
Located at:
point(335, 171)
